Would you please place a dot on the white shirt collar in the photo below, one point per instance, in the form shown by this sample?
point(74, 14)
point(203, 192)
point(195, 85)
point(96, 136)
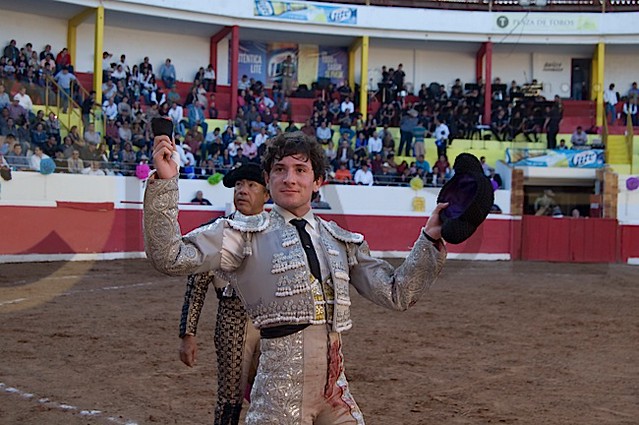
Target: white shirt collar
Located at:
point(288, 216)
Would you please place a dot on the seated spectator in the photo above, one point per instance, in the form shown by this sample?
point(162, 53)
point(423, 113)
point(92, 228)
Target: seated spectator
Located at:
point(200, 199)
point(579, 138)
point(17, 113)
point(375, 145)
point(422, 164)
point(443, 167)
point(16, 158)
point(499, 125)
point(38, 135)
point(91, 136)
point(110, 108)
point(562, 145)
point(75, 165)
point(317, 203)
point(323, 133)
point(36, 158)
point(52, 126)
point(386, 177)
point(4, 97)
point(343, 174)
point(364, 176)
point(95, 169)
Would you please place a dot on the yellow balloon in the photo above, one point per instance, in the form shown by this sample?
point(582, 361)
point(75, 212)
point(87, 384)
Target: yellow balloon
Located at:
point(416, 183)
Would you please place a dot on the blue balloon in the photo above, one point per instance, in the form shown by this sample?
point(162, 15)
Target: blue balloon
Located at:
point(47, 166)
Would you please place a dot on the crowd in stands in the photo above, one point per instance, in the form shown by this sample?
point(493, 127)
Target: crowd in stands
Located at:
point(361, 150)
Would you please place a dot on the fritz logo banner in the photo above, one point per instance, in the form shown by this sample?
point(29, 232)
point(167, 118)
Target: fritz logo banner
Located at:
point(591, 158)
point(305, 12)
point(263, 62)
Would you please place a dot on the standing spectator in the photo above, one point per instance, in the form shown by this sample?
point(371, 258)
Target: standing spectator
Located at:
point(419, 134)
point(611, 100)
point(441, 136)
point(62, 60)
point(87, 108)
point(145, 66)
point(11, 51)
point(210, 83)
point(407, 123)
point(167, 73)
point(288, 73)
point(553, 121)
point(630, 109)
point(64, 79)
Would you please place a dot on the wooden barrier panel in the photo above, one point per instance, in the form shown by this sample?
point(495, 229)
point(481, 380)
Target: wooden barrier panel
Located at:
point(569, 240)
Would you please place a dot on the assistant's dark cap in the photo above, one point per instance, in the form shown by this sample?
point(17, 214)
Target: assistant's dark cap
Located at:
point(470, 196)
point(248, 171)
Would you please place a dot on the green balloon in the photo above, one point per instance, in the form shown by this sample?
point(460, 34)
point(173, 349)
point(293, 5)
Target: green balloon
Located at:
point(215, 178)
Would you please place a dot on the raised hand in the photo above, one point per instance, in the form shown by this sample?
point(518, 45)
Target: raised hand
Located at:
point(163, 150)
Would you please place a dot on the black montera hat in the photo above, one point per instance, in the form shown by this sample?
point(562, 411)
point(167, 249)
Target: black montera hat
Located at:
point(470, 196)
point(250, 171)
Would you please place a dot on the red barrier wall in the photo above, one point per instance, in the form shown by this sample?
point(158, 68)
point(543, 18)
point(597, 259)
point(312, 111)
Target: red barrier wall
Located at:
point(77, 228)
point(569, 240)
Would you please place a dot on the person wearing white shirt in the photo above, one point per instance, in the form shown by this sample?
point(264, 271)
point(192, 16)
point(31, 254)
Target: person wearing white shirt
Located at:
point(36, 158)
point(24, 99)
point(94, 170)
point(110, 109)
point(261, 137)
point(610, 100)
point(347, 105)
point(176, 113)
point(364, 176)
point(209, 78)
point(374, 144)
point(441, 137)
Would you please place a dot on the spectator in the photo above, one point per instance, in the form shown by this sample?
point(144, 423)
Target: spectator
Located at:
point(422, 164)
point(441, 137)
point(4, 97)
point(419, 133)
point(610, 100)
point(167, 73)
point(24, 99)
point(386, 177)
point(75, 165)
point(200, 199)
point(495, 179)
point(323, 133)
point(630, 109)
point(317, 203)
point(374, 144)
point(408, 122)
point(176, 113)
point(16, 158)
point(94, 169)
point(443, 168)
point(484, 165)
point(347, 106)
point(91, 136)
point(52, 126)
point(11, 51)
point(579, 138)
point(209, 79)
point(562, 145)
point(545, 203)
point(343, 174)
point(196, 117)
point(38, 135)
point(364, 176)
point(36, 158)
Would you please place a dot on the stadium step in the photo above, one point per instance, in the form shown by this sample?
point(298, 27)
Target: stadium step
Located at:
point(617, 150)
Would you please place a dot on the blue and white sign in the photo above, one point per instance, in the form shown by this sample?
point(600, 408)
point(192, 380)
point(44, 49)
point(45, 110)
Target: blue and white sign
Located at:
point(305, 12)
point(573, 158)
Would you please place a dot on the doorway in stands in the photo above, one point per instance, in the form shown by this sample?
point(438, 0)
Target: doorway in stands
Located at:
point(580, 78)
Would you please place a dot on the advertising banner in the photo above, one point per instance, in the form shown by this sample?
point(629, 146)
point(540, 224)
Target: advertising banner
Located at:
point(305, 12)
point(252, 60)
point(545, 23)
point(311, 63)
point(573, 158)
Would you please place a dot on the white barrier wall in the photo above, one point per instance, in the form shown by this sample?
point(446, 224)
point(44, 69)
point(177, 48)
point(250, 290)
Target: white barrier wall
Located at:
point(34, 189)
